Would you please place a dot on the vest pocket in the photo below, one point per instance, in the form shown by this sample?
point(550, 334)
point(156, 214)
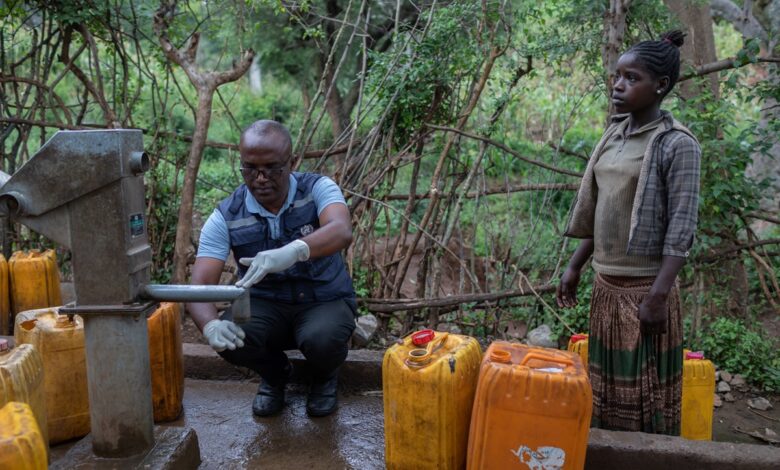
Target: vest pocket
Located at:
point(239, 238)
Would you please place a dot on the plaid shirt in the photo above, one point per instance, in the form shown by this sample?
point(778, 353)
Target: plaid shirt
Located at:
point(664, 212)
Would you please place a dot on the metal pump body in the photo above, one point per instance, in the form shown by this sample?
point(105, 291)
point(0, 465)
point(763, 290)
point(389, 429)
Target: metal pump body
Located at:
point(85, 191)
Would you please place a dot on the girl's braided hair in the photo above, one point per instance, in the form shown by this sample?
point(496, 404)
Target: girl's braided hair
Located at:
point(661, 57)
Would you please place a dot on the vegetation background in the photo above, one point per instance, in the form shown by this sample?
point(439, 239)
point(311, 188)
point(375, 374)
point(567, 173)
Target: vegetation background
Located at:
point(457, 129)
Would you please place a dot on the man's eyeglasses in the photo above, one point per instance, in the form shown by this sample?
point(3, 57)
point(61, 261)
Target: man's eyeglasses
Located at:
point(268, 173)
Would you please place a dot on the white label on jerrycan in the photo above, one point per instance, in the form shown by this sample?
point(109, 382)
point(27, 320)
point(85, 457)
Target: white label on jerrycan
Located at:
point(545, 458)
point(554, 370)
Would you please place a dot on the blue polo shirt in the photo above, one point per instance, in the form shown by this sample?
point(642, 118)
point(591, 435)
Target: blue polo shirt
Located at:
point(214, 238)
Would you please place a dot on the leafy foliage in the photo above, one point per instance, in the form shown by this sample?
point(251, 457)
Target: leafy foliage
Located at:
point(736, 347)
point(408, 80)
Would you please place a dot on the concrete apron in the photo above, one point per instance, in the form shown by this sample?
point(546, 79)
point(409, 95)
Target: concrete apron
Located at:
point(174, 449)
point(606, 449)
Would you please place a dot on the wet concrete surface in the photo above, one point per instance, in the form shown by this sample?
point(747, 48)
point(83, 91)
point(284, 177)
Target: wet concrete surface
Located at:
point(231, 437)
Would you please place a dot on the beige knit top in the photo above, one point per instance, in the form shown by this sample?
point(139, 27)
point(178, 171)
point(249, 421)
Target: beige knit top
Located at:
point(616, 174)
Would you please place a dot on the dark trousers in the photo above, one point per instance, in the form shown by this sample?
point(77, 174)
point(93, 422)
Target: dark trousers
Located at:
point(321, 331)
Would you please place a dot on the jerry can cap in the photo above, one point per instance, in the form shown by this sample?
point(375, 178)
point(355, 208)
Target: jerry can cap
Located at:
point(4, 345)
point(501, 355)
point(422, 337)
point(694, 355)
point(578, 337)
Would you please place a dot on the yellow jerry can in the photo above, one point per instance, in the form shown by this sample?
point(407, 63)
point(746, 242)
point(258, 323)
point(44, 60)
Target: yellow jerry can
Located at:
point(698, 397)
point(532, 410)
point(578, 344)
point(166, 361)
point(60, 342)
point(21, 444)
point(428, 385)
point(35, 280)
point(21, 380)
point(6, 319)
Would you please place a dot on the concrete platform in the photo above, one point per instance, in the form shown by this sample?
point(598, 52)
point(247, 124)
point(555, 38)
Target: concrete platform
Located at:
point(176, 448)
point(611, 450)
point(231, 437)
point(353, 437)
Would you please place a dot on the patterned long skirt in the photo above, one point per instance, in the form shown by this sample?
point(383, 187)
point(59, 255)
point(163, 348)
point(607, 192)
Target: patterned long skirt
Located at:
point(636, 378)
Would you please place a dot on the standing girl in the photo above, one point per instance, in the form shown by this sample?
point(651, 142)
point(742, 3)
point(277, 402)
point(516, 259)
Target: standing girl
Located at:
point(636, 213)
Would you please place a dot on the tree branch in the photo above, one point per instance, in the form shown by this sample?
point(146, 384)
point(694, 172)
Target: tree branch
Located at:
point(95, 91)
point(566, 151)
point(317, 153)
point(743, 21)
point(494, 191)
point(505, 149)
point(43, 86)
point(734, 249)
point(725, 64)
point(763, 217)
point(394, 305)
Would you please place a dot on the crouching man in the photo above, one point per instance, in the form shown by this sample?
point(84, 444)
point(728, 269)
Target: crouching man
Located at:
point(286, 231)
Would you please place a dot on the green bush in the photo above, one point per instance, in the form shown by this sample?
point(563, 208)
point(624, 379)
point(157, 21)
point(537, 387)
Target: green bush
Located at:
point(737, 348)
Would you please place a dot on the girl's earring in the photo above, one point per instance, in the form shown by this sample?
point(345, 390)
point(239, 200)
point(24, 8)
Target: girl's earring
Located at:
point(658, 92)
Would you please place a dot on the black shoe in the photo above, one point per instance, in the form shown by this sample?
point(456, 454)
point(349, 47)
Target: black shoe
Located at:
point(269, 400)
point(322, 397)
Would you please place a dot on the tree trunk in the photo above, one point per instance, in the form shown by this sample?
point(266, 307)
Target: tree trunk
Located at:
point(206, 83)
point(614, 29)
point(699, 47)
point(334, 104)
point(756, 24)
point(765, 165)
point(184, 249)
point(729, 275)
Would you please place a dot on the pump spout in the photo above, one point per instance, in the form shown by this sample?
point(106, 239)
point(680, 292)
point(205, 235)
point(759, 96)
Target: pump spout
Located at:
point(239, 296)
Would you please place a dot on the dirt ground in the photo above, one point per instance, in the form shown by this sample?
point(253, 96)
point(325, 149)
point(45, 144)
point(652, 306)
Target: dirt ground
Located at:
point(732, 420)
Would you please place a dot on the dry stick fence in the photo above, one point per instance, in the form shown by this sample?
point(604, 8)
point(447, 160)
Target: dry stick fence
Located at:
point(385, 307)
point(380, 171)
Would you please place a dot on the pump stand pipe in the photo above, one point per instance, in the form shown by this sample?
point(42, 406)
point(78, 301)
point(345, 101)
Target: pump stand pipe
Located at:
point(239, 296)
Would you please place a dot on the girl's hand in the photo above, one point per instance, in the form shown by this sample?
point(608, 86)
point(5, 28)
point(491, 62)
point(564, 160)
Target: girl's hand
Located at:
point(653, 314)
point(566, 294)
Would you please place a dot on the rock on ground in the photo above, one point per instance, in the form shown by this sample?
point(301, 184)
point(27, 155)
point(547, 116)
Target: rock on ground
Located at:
point(542, 336)
point(364, 330)
point(759, 403)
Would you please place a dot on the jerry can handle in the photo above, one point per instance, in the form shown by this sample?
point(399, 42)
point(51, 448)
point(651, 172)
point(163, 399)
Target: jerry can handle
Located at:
point(544, 357)
point(437, 342)
point(422, 356)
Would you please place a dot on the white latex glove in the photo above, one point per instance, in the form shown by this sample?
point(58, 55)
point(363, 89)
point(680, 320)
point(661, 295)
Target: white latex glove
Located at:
point(224, 334)
point(272, 261)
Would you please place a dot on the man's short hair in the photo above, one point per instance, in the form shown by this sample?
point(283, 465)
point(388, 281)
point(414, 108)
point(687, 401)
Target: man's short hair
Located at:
point(272, 129)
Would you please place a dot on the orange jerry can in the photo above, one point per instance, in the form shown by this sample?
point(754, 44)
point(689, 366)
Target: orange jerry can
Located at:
point(35, 280)
point(578, 344)
point(166, 361)
point(698, 397)
point(60, 343)
point(21, 444)
point(21, 380)
point(428, 386)
point(532, 410)
point(6, 319)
